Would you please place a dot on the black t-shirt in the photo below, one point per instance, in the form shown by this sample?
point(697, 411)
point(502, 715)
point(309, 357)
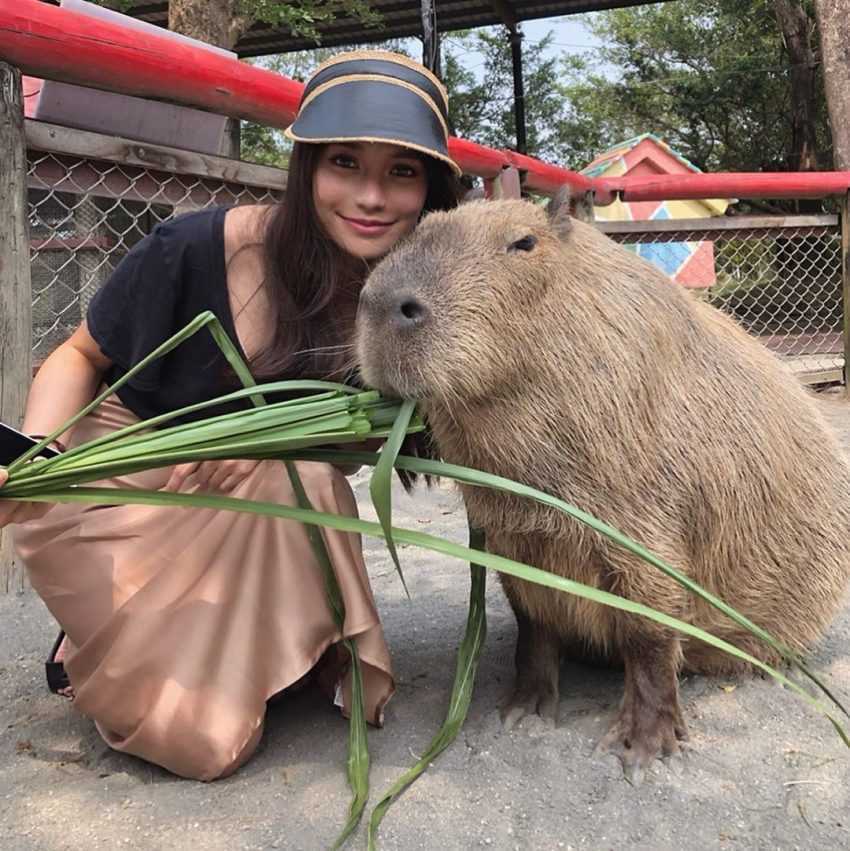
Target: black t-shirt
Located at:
point(165, 281)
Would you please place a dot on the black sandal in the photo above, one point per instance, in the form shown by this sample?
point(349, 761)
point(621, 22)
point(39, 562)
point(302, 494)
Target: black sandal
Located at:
point(57, 679)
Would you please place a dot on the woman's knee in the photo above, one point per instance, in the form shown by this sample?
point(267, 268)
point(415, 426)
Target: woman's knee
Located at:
point(192, 751)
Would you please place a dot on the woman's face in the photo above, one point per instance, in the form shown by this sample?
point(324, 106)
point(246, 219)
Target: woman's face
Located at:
point(368, 195)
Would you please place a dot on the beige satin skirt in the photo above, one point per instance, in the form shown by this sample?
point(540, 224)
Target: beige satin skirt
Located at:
point(182, 622)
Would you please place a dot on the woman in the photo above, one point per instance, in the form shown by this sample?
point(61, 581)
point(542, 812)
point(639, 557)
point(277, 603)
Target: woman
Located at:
point(182, 624)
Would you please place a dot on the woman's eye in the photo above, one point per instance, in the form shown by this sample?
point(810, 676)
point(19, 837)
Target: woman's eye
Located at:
point(404, 171)
point(344, 161)
point(524, 244)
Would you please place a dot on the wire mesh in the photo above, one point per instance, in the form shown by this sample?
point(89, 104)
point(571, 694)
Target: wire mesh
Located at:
point(85, 215)
point(781, 281)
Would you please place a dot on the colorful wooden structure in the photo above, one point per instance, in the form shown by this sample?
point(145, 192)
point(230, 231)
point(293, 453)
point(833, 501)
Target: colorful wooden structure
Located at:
point(689, 263)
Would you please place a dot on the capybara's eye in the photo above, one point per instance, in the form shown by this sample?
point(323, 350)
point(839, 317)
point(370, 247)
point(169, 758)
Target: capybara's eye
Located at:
point(524, 244)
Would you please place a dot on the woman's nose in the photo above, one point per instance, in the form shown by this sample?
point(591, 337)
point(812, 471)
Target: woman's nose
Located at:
point(371, 195)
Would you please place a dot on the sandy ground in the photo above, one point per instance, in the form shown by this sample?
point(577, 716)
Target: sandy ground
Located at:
point(763, 771)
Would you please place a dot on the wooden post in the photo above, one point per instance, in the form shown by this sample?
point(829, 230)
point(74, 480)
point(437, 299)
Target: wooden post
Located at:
point(845, 278)
point(15, 285)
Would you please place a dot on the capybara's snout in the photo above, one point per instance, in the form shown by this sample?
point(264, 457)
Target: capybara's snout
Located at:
point(390, 310)
point(393, 328)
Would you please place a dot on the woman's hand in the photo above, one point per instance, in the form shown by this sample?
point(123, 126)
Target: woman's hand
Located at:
point(222, 476)
point(12, 511)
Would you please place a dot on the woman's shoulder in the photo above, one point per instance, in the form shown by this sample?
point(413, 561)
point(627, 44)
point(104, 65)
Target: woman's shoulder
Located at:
point(191, 226)
point(245, 226)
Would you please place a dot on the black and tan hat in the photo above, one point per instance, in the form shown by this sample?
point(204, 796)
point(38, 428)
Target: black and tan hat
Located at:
point(375, 96)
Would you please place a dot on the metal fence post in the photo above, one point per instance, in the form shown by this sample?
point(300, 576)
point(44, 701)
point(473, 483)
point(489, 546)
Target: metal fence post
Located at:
point(845, 278)
point(15, 285)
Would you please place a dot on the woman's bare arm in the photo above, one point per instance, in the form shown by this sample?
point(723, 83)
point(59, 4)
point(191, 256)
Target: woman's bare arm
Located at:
point(66, 382)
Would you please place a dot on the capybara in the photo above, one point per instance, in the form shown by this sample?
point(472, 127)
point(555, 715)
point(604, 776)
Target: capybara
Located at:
point(544, 352)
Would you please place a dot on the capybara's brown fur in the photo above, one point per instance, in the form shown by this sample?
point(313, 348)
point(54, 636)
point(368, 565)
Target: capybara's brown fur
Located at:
point(544, 352)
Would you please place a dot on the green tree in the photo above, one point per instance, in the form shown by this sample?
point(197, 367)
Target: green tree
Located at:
point(713, 77)
point(481, 108)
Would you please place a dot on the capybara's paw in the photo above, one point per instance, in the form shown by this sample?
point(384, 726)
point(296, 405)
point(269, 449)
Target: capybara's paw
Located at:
point(638, 741)
point(541, 698)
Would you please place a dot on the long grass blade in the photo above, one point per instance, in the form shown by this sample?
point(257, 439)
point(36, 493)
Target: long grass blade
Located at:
point(115, 496)
point(294, 386)
point(481, 479)
point(200, 321)
point(380, 485)
point(358, 751)
point(461, 697)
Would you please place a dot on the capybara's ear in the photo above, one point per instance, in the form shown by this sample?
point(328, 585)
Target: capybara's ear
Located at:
point(558, 210)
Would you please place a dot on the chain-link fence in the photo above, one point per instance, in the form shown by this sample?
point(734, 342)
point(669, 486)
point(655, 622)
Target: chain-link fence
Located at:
point(86, 214)
point(779, 277)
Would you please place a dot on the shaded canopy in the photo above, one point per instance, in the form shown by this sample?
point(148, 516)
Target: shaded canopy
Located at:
point(401, 19)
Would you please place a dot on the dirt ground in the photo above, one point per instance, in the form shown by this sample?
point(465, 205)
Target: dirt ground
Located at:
point(763, 771)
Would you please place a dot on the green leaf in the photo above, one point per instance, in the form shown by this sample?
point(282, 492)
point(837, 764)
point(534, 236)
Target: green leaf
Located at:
point(358, 751)
point(380, 485)
point(467, 664)
point(294, 386)
point(481, 479)
point(200, 321)
point(114, 496)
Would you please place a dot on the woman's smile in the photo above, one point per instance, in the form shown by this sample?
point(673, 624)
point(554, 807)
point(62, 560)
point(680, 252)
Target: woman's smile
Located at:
point(367, 227)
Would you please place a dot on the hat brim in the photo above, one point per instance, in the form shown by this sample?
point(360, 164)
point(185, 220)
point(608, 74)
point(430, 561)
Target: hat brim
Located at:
point(372, 111)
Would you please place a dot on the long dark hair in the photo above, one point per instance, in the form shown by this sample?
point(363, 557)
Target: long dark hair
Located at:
point(313, 285)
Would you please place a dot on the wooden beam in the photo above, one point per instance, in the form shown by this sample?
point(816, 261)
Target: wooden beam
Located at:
point(54, 138)
point(15, 284)
point(506, 12)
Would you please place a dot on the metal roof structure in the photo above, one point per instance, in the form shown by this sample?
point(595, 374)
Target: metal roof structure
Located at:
point(401, 19)
point(406, 18)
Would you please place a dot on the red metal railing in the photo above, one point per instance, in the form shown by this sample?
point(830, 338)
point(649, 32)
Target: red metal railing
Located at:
point(54, 43)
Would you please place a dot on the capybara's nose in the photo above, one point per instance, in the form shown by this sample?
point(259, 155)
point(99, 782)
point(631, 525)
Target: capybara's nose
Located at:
point(407, 311)
point(401, 310)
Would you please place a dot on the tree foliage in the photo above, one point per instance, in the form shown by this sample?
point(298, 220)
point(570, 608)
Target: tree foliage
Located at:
point(710, 76)
point(482, 107)
point(302, 17)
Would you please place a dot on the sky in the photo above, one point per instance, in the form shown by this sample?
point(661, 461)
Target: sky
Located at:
point(570, 36)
